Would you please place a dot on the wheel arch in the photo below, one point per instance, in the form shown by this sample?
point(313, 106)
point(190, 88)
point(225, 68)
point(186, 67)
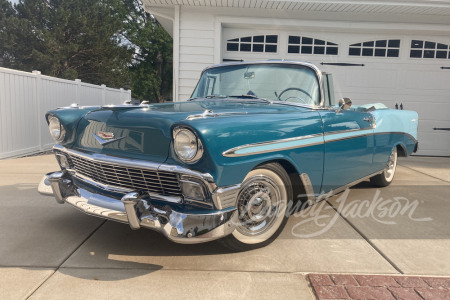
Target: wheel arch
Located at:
point(401, 150)
point(298, 189)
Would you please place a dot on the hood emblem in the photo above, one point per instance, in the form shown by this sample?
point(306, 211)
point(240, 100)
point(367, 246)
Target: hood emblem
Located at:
point(105, 138)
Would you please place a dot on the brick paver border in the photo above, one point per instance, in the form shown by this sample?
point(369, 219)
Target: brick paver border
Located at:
point(344, 286)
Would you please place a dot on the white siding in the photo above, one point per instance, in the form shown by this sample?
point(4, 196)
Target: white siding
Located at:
point(26, 97)
point(196, 49)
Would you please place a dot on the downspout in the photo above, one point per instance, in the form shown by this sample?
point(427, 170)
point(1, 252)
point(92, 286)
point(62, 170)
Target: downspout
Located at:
point(176, 53)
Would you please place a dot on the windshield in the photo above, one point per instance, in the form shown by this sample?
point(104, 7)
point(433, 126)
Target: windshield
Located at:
point(275, 82)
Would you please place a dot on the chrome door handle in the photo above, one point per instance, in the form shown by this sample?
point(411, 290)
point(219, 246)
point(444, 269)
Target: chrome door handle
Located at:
point(368, 120)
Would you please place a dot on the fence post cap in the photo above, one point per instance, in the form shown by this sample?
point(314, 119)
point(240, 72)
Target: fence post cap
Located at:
point(77, 80)
point(36, 72)
point(103, 85)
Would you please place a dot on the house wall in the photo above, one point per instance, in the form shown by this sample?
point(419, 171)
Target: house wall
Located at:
point(199, 32)
point(196, 48)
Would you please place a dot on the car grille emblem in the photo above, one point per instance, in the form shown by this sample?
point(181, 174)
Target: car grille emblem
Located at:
point(105, 138)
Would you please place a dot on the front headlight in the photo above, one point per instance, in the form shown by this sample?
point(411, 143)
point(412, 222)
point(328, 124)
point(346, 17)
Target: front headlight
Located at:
point(56, 129)
point(186, 145)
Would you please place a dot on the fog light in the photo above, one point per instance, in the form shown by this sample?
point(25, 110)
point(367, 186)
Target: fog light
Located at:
point(192, 190)
point(63, 161)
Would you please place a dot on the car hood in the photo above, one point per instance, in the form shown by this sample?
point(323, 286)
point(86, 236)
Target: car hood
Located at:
point(144, 132)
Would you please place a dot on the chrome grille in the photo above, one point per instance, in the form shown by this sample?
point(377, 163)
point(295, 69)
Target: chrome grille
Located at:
point(133, 178)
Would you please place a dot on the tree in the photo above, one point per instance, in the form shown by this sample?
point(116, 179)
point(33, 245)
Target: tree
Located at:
point(151, 71)
point(151, 68)
point(112, 42)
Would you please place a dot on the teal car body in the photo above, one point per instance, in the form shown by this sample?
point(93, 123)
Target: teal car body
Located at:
point(330, 146)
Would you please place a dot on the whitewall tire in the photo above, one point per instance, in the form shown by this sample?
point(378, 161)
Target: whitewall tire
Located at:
point(261, 206)
point(385, 178)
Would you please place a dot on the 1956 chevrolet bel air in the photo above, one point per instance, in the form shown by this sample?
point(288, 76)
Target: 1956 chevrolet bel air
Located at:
point(227, 163)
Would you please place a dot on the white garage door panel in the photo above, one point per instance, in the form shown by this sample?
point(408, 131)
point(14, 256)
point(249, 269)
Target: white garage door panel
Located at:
point(419, 84)
point(376, 78)
point(428, 80)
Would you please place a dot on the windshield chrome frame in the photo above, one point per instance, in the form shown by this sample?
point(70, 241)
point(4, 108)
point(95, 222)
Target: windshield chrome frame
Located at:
point(309, 65)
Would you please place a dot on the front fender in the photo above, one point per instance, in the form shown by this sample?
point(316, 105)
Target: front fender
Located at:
point(69, 118)
point(221, 134)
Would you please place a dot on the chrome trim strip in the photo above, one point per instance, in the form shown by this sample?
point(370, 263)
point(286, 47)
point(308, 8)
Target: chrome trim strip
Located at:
point(232, 152)
point(223, 194)
point(398, 132)
point(308, 187)
point(110, 159)
point(116, 189)
point(344, 187)
point(310, 191)
point(210, 114)
point(346, 131)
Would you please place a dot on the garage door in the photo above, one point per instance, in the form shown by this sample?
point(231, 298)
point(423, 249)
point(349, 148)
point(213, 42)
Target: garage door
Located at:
point(407, 71)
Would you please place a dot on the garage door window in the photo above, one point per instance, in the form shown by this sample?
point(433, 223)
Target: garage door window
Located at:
point(427, 49)
point(308, 45)
point(380, 48)
point(256, 43)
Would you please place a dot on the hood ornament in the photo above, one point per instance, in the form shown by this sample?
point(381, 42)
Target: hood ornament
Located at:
point(105, 138)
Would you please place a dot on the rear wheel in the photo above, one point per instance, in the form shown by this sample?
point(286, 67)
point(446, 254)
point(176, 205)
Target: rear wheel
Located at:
point(261, 207)
point(385, 178)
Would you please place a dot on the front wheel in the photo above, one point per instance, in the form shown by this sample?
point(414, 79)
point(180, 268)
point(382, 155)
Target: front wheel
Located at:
point(261, 207)
point(385, 178)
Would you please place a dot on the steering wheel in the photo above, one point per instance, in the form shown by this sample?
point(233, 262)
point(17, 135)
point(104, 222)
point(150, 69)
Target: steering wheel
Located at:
point(295, 89)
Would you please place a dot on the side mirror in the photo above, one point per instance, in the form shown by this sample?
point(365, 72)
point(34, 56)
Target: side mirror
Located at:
point(345, 104)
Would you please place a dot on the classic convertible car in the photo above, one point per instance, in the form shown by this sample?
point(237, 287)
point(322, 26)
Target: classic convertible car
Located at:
point(227, 163)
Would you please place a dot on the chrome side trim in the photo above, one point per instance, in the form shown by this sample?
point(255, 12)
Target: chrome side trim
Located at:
point(346, 131)
point(232, 152)
point(226, 197)
point(308, 187)
point(313, 198)
point(344, 187)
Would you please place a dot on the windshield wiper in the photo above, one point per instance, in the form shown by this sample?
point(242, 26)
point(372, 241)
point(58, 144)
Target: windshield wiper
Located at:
point(249, 97)
point(207, 97)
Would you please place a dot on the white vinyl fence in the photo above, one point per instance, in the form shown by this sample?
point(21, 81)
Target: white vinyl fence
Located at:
point(26, 97)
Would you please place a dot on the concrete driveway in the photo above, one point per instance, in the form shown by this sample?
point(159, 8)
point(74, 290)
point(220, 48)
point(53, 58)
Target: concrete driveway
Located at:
point(52, 251)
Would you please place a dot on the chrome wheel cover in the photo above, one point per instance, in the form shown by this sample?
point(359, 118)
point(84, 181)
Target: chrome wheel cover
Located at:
point(259, 205)
point(392, 163)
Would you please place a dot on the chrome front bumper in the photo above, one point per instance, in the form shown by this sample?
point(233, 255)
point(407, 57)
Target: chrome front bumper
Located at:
point(139, 212)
